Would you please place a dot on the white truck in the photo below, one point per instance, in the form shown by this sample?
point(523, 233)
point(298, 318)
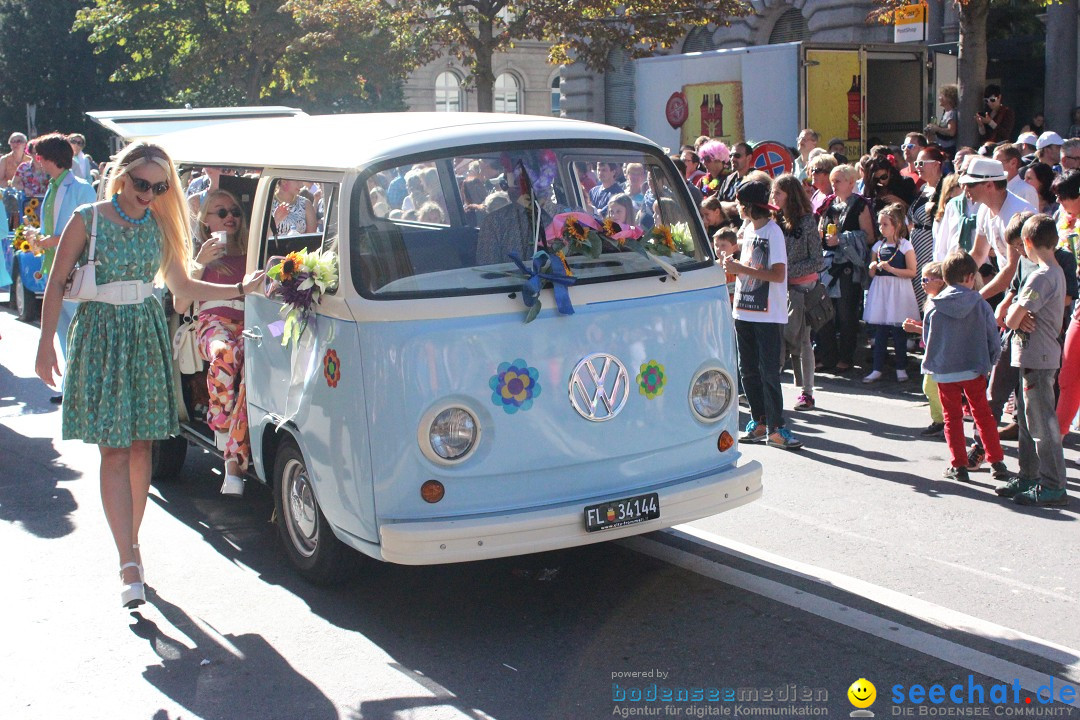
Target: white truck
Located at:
point(863, 94)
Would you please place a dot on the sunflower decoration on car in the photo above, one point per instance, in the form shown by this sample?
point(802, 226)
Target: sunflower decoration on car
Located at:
point(579, 235)
point(301, 278)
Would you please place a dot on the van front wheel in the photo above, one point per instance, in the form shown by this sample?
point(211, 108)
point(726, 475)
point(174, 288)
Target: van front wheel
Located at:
point(309, 542)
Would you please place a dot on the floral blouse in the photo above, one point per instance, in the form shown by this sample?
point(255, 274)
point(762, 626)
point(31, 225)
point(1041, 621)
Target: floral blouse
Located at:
point(33, 182)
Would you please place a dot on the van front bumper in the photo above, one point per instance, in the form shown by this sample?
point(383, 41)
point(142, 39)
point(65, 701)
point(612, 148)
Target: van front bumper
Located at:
point(429, 542)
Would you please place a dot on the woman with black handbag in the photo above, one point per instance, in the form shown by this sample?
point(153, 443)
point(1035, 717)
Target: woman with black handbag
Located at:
point(805, 261)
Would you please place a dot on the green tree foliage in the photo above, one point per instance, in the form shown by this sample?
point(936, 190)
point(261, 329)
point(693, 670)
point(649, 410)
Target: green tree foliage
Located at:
point(474, 30)
point(241, 52)
point(44, 63)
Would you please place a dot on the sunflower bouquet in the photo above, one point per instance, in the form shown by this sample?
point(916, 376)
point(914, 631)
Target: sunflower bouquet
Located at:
point(575, 234)
point(25, 240)
point(301, 278)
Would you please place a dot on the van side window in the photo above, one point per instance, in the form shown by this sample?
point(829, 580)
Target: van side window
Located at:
point(302, 215)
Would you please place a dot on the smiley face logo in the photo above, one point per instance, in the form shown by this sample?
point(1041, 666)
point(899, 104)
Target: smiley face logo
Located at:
point(862, 693)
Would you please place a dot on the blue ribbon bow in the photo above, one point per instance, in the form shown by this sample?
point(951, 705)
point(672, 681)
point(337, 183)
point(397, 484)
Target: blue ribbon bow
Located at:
point(534, 278)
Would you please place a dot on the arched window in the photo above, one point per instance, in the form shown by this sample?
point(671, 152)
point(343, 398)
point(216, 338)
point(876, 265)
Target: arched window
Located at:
point(556, 96)
point(507, 94)
point(789, 27)
point(699, 40)
point(448, 93)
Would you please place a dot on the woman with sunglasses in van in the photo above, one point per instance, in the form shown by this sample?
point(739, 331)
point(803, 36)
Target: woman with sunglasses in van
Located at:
point(119, 378)
point(220, 327)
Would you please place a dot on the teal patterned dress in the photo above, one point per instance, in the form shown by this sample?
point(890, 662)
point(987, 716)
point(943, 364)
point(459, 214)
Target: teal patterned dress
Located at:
point(118, 384)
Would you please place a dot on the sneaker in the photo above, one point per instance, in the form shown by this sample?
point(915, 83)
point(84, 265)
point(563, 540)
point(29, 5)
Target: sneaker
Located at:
point(782, 438)
point(999, 472)
point(1043, 497)
point(754, 432)
point(1015, 487)
point(933, 430)
point(805, 402)
point(959, 474)
point(976, 457)
point(872, 377)
point(901, 376)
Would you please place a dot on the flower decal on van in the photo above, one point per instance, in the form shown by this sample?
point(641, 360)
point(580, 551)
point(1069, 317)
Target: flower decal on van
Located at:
point(514, 386)
point(331, 368)
point(651, 379)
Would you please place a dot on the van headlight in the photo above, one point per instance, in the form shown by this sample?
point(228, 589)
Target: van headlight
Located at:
point(453, 433)
point(710, 394)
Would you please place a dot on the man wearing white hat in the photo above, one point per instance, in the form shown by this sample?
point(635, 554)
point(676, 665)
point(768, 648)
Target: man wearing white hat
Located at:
point(1026, 143)
point(986, 183)
point(1048, 149)
point(1029, 139)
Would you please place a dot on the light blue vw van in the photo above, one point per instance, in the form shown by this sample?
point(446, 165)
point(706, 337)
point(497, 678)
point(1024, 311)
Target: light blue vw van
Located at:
point(498, 370)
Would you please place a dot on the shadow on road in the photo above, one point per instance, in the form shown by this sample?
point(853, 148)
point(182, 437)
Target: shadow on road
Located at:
point(236, 676)
point(539, 636)
point(31, 497)
point(827, 452)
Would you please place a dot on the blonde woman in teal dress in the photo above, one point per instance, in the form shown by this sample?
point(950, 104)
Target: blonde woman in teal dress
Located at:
point(118, 392)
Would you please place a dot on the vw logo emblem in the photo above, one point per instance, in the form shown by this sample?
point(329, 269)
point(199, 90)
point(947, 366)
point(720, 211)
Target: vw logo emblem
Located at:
point(599, 387)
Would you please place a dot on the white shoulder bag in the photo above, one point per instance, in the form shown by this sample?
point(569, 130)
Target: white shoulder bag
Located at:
point(81, 283)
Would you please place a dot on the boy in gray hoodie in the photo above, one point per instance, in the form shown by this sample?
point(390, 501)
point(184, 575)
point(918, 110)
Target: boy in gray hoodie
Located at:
point(962, 345)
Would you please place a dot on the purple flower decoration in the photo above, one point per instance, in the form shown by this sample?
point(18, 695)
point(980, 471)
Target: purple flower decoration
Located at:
point(514, 386)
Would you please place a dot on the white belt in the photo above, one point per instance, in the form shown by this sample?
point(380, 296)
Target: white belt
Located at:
point(128, 292)
point(212, 304)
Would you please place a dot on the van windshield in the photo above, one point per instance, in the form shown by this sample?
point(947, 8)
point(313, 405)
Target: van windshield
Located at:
point(461, 223)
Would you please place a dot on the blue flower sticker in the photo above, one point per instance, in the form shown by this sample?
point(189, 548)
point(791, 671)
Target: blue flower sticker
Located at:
point(514, 386)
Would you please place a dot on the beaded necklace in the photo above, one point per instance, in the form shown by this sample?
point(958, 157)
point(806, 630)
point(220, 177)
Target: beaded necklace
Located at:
point(127, 218)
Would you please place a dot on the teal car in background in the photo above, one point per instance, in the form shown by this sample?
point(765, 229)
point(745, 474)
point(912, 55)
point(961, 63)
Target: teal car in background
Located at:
point(21, 271)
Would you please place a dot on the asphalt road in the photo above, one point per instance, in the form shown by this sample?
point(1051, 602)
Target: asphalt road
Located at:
point(859, 562)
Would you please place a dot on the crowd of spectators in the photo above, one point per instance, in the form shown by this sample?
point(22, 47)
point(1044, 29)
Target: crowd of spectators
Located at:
point(895, 233)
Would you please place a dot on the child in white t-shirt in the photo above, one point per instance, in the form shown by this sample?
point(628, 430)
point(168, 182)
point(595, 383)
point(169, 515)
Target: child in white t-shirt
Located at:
point(760, 310)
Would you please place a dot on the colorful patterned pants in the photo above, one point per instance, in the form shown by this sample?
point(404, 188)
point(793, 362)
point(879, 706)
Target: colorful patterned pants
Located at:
point(222, 345)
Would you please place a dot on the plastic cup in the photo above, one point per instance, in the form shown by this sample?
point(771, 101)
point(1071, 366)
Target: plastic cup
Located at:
point(221, 236)
point(830, 229)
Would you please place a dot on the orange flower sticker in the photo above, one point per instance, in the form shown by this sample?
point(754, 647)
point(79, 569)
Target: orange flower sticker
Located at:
point(331, 368)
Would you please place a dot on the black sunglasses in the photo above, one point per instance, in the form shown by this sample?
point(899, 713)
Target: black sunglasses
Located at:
point(142, 186)
point(223, 213)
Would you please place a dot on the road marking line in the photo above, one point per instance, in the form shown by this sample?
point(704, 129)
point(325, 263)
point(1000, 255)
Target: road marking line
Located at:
point(916, 607)
point(839, 530)
point(940, 648)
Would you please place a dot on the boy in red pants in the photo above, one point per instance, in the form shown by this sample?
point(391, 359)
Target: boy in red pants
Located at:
point(962, 345)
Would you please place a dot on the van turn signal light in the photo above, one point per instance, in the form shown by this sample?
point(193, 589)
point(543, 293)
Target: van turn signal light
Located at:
point(432, 491)
point(725, 441)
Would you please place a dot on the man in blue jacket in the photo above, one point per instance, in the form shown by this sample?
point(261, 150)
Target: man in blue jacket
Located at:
point(65, 193)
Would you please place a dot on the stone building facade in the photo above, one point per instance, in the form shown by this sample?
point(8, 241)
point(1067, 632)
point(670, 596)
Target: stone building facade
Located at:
point(524, 83)
point(527, 83)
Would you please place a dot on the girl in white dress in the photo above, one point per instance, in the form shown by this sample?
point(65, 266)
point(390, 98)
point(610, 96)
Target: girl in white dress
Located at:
point(891, 298)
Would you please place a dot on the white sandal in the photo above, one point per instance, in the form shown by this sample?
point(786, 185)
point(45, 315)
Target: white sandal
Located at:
point(133, 594)
point(233, 485)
